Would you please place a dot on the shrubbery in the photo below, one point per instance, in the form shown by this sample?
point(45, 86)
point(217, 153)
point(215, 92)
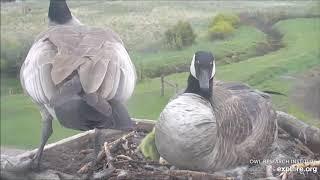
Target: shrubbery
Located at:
point(180, 35)
point(233, 19)
point(223, 25)
point(221, 30)
point(13, 53)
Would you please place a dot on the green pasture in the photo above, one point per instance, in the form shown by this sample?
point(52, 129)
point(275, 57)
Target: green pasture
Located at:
point(141, 25)
point(268, 72)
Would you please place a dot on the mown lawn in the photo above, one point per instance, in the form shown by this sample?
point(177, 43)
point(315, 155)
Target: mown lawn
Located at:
point(20, 120)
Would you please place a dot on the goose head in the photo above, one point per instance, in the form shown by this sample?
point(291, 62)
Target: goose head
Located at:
point(60, 14)
point(202, 71)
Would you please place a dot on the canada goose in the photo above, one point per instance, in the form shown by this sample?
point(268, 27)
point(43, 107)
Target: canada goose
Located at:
point(78, 74)
point(214, 125)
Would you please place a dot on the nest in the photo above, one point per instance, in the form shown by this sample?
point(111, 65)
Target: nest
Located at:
point(120, 158)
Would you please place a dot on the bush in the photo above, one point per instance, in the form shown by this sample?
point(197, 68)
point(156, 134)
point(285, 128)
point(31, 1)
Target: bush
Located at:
point(180, 35)
point(233, 19)
point(13, 52)
point(221, 30)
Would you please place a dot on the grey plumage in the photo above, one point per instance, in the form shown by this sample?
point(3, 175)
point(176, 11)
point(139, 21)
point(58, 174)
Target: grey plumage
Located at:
point(78, 74)
point(238, 126)
point(215, 125)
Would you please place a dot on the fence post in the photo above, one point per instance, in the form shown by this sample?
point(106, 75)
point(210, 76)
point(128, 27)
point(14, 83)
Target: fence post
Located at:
point(10, 91)
point(177, 88)
point(162, 85)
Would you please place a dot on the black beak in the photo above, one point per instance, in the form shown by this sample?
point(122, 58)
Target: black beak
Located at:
point(204, 78)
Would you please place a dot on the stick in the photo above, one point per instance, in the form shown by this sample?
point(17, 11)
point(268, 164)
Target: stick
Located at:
point(84, 169)
point(309, 135)
point(142, 162)
point(174, 173)
point(196, 175)
point(108, 155)
point(116, 142)
point(102, 154)
point(124, 157)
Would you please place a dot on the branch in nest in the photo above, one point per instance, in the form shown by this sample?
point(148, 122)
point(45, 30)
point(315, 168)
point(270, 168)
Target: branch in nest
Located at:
point(102, 154)
point(142, 162)
point(109, 157)
point(309, 135)
point(196, 175)
point(121, 156)
point(114, 144)
point(173, 173)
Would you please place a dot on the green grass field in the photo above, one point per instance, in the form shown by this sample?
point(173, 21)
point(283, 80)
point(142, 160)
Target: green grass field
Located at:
point(20, 118)
point(15, 107)
point(268, 72)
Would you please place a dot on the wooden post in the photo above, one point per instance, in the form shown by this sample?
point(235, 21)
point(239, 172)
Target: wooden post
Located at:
point(162, 85)
point(10, 91)
point(177, 88)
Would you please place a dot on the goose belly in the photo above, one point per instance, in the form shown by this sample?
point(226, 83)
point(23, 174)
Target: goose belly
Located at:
point(186, 131)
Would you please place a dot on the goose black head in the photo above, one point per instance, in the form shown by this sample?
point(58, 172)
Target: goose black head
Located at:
point(59, 12)
point(202, 71)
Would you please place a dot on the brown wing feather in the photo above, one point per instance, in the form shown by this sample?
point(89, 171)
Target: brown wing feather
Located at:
point(246, 118)
point(82, 49)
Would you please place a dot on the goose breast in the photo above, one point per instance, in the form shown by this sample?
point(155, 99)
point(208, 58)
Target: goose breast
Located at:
point(186, 131)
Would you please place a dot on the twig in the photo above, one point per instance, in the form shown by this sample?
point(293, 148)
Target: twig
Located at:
point(121, 156)
point(197, 175)
point(108, 155)
point(173, 173)
point(304, 148)
point(114, 144)
point(112, 147)
point(84, 169)
point(104, 174)
point(86, 151)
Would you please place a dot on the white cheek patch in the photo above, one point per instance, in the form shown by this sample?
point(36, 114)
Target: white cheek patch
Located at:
point(213, 69)
point(192, 68)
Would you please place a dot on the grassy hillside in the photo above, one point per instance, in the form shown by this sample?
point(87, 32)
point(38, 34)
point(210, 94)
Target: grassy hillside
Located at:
point(267, 72)
point(20, 120)
point(141, 25)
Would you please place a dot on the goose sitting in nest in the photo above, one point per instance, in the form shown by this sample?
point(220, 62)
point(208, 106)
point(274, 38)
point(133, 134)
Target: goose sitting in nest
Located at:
point(214, 125)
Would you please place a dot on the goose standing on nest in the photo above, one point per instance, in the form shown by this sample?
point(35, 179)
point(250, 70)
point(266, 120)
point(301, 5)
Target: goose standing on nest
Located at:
point(214, 125)
point(78, 74)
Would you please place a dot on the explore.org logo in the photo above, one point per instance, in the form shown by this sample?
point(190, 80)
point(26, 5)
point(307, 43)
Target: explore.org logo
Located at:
point(301, 170)
point(301, 166)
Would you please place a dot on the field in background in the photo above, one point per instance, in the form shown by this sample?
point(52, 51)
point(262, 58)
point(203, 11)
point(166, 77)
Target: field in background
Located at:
point(20, 119)
point(268, 72)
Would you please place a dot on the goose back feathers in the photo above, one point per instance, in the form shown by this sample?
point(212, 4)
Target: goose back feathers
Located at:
point(96, 55)
point(239, 124)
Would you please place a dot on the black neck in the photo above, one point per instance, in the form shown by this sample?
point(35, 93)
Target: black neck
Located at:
point(194, 87)
point(59, 11)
